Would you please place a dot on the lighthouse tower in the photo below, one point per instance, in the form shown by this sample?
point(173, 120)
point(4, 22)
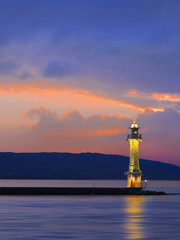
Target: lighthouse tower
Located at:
point(134, 173)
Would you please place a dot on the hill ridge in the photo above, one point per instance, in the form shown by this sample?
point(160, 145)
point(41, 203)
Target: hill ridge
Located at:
point(85, 165)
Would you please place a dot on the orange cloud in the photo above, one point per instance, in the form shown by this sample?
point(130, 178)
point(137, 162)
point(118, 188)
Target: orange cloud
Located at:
point(154, 109)
point(166, 97)
point(38, 86)
point(102, 132)
point(155, 96)
point(64, 97)
point(90, 132)
point(133, 92)
point(66, 93)
point(106, 115)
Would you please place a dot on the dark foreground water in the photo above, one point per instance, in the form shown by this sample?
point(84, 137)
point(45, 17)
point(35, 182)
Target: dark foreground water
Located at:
point(90, 217)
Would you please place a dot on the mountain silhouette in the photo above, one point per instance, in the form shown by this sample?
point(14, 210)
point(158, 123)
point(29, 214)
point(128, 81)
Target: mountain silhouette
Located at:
point(79, 166)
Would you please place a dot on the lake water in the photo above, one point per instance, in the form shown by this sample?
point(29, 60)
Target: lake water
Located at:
point(90, 217)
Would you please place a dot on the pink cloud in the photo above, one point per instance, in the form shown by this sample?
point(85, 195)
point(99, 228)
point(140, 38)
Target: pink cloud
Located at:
point(73, 132)
point(37, 112)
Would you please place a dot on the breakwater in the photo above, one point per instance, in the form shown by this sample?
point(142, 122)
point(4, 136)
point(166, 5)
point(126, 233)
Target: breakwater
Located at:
point(75, 191)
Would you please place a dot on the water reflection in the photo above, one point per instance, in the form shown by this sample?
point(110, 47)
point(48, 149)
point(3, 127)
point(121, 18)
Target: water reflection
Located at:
point(135, 214)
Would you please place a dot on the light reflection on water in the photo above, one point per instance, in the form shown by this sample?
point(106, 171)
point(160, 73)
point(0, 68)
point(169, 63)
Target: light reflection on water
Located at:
point(135, 213)
point(90, 217)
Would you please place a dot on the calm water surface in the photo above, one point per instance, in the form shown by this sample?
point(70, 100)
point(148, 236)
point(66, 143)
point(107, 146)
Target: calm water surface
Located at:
point(90, 217)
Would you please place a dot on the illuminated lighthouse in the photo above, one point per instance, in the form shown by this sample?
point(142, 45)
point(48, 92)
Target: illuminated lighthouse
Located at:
point(134, 173)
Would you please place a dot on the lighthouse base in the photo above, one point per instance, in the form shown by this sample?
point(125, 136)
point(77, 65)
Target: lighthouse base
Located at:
point(134, 180)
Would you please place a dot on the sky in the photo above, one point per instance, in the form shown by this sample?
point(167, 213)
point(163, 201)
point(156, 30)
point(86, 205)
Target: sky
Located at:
point(74, 74)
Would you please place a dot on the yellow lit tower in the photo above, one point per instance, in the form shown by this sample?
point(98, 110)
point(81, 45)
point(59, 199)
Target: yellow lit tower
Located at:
point(134, 173)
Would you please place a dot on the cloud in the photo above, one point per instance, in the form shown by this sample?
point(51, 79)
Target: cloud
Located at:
point(79, 96)
point(73, 123)
point(73, 132)
point(163, 100)
point(139, 102)
point(168, 97)
point(69, 132)
point(39, 111)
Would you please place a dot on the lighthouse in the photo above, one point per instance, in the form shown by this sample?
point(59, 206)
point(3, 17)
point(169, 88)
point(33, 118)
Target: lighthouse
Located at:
point(134, 173)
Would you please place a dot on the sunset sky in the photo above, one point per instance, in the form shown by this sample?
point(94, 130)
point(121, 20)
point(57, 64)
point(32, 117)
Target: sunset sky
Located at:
point(73, 75)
